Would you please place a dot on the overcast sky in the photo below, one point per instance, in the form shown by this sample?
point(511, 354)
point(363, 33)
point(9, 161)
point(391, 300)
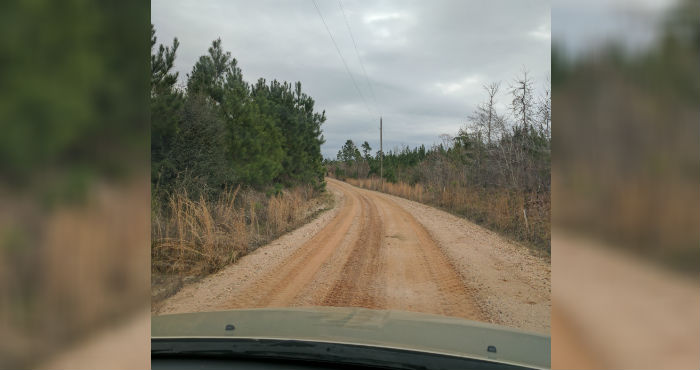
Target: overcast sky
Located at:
point(580, 27)
point(426, 60)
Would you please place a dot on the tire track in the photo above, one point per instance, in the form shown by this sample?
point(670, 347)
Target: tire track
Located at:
point(445, 291)
point(359, 285)
point(277, 288)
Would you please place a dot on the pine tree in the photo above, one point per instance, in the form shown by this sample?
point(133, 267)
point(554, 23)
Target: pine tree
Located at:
point(166, 107)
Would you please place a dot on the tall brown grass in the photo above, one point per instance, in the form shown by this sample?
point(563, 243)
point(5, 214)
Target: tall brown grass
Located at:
point(191, 238)
point(524, 217)
point(70, 270)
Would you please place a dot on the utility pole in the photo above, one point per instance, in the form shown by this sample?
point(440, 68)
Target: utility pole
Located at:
point(381, 153)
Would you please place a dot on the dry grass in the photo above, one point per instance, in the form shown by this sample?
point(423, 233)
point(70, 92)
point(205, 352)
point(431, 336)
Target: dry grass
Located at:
point(499, 210)
point(198, 236)
point(70, 270)
point(192, 238)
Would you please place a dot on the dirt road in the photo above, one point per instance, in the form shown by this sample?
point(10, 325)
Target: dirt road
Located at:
point(378, 251)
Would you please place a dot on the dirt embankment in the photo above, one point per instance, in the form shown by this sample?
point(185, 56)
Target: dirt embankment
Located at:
point(379, 251)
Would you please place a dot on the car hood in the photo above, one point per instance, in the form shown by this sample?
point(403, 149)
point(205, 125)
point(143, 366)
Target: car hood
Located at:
point(359, 326)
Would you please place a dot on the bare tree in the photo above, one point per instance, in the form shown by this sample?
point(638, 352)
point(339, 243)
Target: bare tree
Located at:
point(523, 101)
point(447, 140)
point(483, 119)
point(490, 109)
point(544, 109)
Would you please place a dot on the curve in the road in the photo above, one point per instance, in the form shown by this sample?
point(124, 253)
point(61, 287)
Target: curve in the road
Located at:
point(375, 254)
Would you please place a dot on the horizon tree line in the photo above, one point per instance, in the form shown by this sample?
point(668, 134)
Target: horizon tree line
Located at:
point(510, 149)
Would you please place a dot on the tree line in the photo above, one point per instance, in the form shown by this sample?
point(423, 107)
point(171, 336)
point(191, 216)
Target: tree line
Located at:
point(219, 131)
point(506, 152)
point(509, 149)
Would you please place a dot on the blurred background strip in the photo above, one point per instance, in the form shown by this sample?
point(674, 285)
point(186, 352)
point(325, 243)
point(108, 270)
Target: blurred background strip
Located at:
point(625, 200)
point(74, 193)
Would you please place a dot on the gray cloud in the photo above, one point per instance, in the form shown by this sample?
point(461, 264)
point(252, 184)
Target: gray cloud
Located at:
point(427, 60)
point(582, 27)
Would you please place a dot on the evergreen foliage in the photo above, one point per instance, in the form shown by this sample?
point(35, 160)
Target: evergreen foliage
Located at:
point(220, 131)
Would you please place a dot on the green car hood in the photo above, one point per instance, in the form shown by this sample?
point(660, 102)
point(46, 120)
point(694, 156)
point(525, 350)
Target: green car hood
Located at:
point(378, 328)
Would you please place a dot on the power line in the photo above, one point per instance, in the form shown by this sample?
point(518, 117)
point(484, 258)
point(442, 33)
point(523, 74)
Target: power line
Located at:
point(371, 90)
point(341, 56)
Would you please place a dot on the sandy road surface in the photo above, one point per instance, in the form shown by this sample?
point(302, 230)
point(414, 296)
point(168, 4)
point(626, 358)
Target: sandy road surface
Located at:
point(378, 251)
point(615, 310)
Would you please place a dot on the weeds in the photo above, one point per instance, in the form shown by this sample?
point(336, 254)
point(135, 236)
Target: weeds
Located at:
point(191, 238)
point(525, 217)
